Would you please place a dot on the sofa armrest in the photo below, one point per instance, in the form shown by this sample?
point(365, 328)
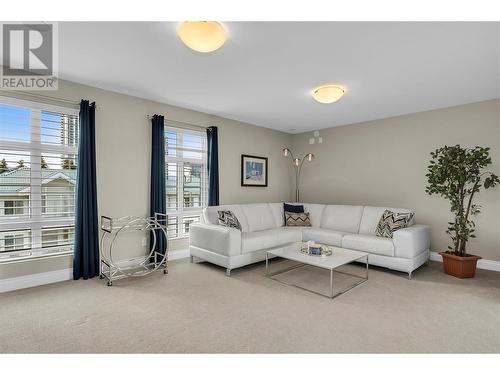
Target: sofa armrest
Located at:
point(411, 241)
point(216, 238)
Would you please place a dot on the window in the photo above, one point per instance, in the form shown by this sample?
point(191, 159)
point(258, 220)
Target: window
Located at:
point(57, 237)
point(186, 178)
point(14, 207)
point(15, 241)
point(38, 160)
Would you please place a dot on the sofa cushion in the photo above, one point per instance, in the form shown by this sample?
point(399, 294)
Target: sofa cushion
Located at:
point(277, 210)
point(211, 215)
point(288, 235)
point(315, 213)
point(369, 244)
point(372, 215)
point(260, 240)
point(293, 219)
point(267, 239)
point(259, 216)
point(324, 236)
point(296, 208)
point(391, 222)
point(228, 219)
point(342, 218)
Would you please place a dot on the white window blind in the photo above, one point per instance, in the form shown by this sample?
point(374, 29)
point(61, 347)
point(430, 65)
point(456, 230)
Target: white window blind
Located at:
point(38, 159)
point(186, 178)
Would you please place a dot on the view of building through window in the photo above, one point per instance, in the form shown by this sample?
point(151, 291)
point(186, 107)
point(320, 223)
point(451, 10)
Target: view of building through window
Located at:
point(38, 159)
point(186, 178)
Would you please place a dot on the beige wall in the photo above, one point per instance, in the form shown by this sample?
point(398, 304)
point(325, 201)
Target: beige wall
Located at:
point(383, 163)
point(123, 140)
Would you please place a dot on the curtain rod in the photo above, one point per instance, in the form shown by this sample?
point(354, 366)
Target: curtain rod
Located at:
point(47, 97)
point(18, 94)
point(180, 124)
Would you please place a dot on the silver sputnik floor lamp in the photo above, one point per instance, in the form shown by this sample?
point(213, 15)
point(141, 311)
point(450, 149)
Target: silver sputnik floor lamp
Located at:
point(297, 164)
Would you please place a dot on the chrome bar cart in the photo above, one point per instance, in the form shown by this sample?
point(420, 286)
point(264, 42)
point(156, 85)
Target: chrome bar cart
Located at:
point(114, 268)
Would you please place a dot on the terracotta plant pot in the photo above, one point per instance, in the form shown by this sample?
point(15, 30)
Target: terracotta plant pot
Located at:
point(461, 267)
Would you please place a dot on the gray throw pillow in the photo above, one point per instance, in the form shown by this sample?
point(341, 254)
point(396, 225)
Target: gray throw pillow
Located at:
point(228, 219)
point(392, 221)
point(294, 219)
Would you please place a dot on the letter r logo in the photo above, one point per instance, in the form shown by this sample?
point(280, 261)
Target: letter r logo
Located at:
point(27, 49)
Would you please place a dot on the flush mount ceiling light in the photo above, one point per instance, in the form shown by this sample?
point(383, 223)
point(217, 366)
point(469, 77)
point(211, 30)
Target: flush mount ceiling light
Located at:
point(327, 94)
point(202, 36)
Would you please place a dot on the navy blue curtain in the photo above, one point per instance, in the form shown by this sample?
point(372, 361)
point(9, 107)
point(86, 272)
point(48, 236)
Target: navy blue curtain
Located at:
point(157, 196)
point(86, 257)
point(213, 166)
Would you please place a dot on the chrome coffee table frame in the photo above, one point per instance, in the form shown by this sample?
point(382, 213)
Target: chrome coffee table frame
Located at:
point(318, 264)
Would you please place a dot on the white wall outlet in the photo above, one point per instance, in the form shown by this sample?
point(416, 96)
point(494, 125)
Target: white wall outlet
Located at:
point(316, 133)
point(320, 140)
point(311, 141)
point(144, 242)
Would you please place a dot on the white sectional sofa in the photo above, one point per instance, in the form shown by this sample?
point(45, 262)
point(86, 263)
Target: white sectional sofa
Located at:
point(262, 228)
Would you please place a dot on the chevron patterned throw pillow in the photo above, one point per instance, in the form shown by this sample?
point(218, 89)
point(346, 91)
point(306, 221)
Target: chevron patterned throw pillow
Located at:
point(228, 219)
point(392, 221)
point(293, 219)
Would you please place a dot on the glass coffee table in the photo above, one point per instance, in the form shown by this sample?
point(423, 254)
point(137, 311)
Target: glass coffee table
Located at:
point(338, 257)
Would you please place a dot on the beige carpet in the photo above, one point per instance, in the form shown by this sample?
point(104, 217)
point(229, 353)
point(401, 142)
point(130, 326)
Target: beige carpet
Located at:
point(197, 309)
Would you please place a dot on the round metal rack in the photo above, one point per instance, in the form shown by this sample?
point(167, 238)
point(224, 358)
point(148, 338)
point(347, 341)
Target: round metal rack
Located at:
point(113, 267)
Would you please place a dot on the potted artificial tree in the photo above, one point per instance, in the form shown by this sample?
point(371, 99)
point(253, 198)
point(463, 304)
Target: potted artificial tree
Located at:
point(458, 174)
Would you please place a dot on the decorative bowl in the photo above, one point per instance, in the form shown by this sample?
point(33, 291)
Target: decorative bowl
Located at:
point(325, 251)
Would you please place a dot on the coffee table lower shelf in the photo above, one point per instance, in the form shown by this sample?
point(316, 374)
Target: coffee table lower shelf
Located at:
point(333, 294)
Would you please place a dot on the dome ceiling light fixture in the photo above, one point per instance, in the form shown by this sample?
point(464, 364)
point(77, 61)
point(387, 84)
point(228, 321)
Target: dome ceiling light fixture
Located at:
point(202, 36)
point(327, 94)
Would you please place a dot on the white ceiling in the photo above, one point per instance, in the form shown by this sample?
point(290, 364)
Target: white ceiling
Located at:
point(265, 72)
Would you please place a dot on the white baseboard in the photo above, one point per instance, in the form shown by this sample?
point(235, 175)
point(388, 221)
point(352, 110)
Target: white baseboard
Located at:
point(484, 264)
point(36, 279)
point(178, 254)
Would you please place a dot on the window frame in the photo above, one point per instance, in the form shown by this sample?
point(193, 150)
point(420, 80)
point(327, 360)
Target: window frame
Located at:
point(181, 212)
point(17, 205)
point(15, 242)
point(35, 221)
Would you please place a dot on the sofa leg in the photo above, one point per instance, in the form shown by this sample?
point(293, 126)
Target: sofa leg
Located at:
point(228, 272)
point(191, 259)
point(410, 275)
